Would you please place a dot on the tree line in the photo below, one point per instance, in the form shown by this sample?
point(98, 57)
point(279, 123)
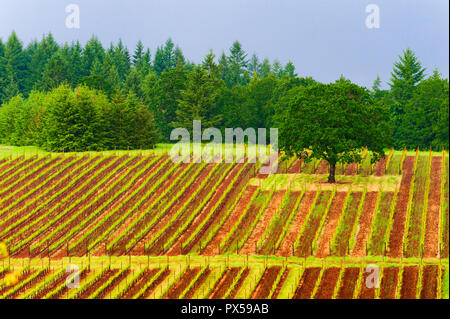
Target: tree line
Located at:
point(79, 97)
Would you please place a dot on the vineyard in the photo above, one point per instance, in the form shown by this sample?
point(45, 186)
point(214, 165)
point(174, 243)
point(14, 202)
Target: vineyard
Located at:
point(142, 226)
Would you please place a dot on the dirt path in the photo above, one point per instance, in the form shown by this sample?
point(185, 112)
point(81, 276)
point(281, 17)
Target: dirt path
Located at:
point(365, 223)
point(389, 283)
point(395, 248)
point(250, 245)
point(323, 247)
point(431, 243)
point(328, 283)
point(348, 283)
point(212, 248)
point(430, 277)
point(409, 282)
point(307, 283)
point(287, 244)
point(262, 290)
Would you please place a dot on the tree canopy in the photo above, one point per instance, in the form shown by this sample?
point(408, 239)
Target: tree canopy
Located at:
point(334, 122)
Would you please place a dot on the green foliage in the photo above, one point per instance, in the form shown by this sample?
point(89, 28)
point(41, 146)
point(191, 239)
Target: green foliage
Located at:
point(334, 122)
point(242, 90)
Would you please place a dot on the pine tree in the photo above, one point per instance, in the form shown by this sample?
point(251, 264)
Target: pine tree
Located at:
point(55, 72)
point(406, 74)
point(198, 100)
point(92, 51)
point(289, 70)
point(237, 64)
point(16, 65)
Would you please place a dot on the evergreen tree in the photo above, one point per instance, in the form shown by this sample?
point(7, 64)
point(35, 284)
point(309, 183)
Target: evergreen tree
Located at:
point(235, 73)
point(165, 58)
point(198, 100)
point(16, 65)
point(289, 70)
point(264, 68)
point(93, 50)
point(55, 72)
point(407, 73)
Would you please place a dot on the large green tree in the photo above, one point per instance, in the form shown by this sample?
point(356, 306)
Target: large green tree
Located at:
point(334, 122)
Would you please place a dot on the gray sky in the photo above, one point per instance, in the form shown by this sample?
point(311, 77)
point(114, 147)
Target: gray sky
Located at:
point(323, 38)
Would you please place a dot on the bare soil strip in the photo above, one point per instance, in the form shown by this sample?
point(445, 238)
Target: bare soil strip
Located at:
point(389, 282)
point(286, 247)
point(110, 287)
point(147, 293)
point(175, 291)
point(398, 228)
point(224, 283)
point(409, 282)
point(431, 242)
point(307, 283)
point(250, 245)
point(239, 284)
point(212, 247)
point(295, 167)
point(323, 247)
point(305, 241)
point(348, 283)
point(366, 291)
point(281, 283)
point(365, 222)
point(97, 284)
point(430, 277)
point(328, 282)
point(266, 282)
point(139, 283)
point(220, 190)
point(380, 167)
point(173, 209)
point(351, 169)
point(197, 284)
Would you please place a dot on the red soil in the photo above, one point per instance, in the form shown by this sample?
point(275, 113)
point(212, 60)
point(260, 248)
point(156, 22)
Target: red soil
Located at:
point(380, 167)
point(147, 293)
point(138, 283)
point(175, 291)
point(395, 248)
point(280, 283)
point(389, 283)
point(431, 243)
point(307, 283)
point(239, 284)
point(295, 167)
point(224, 283)
point(323, 247)
point(328, 282)
point(287, 244)
point(365, 223)
point(108, 289)
point(366, 291)
point(97, 284)
point(218, 211)
point(250, 245)
point(348, 283)
point(409, 282)
point(266, 282)
point(430, 276)
point(156, 248)
point(351, 169)
point(197, 284)
point(323, 167)
point(212, 247)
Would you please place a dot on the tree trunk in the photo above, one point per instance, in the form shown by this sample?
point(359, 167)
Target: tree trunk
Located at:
point(332, 173)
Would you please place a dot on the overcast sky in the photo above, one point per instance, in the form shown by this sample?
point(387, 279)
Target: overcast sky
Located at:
point(323, 38)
